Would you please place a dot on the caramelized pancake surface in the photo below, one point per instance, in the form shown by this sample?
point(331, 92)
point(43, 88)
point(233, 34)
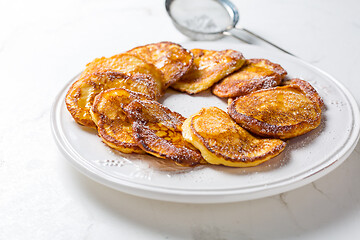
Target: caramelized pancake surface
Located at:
point(208, 68)
point(223, 142)
point(170, 58)
point(280, 112)
point(254, 75)
point(157, 130)
point(112, 124)
point(306, 87)
point(121, 70)
point(124, 63)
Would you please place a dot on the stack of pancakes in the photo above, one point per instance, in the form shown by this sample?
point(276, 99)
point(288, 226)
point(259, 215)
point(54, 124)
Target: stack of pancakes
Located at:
point(118, 97)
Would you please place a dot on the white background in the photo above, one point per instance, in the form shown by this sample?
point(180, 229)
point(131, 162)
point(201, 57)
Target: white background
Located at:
point(43, 44)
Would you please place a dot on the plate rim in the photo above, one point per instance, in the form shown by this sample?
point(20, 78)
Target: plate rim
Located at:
point(208, 195)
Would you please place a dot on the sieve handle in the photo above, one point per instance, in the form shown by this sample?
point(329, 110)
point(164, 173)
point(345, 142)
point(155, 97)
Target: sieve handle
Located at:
point(268, 42)
point(237, 36)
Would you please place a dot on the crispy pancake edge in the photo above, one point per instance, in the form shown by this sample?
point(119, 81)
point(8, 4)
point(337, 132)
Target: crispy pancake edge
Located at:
point(178, 74)
point(71, 99)
point(139, 125)
point(308, 89)
point(279, 73)
point(188, 87)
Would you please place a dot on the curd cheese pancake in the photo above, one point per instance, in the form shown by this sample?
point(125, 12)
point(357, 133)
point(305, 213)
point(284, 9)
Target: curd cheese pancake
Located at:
point(208, 68)
point(223, 142)
point(170, 58)
point(157, 130)
point(254, 75)
point(113, 126)
point(124, 63)
point(122, 70)
point(281, 112)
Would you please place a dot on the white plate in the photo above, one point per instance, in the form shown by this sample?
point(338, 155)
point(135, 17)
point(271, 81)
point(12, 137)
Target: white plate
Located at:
point(305, 159)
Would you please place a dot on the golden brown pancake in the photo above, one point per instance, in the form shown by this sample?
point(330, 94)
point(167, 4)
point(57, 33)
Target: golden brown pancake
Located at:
point(157, 130)
point(254, 75)
point(123, 70)
point(208, 68)
point(170, 58)
point(281, 112)
point(223, 142)
point(112, 124)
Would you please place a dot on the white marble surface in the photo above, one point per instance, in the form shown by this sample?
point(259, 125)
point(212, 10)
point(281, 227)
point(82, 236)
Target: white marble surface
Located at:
point(43, 44)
